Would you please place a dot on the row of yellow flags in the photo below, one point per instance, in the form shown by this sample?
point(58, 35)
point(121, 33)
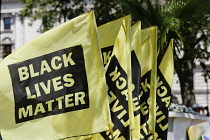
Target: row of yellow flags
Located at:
point(80, 81)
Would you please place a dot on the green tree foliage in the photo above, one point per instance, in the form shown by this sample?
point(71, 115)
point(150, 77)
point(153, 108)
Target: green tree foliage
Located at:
point(53, 12)
point(188, 22)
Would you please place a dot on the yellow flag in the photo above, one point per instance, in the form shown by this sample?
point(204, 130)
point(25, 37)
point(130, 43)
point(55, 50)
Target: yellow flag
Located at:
point(199, 131)
point(107, 34)
point(164, 82)
point(114, 40)
point(54, 86)
point(136, 75)
point(148, 64)
point(86, 137)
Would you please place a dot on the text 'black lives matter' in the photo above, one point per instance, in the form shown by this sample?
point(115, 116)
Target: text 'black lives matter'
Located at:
point(163, 102)
point(116, 79)
point(144, 105)
point(106, 54)
point(51, 84)
point(136, 74)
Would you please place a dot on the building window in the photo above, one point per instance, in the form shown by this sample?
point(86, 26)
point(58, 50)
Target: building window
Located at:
point(7, 23)
point(6, 47)
point(6, 50)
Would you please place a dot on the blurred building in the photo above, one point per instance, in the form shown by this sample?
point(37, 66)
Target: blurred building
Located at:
point(201, 88)
point(15, 30)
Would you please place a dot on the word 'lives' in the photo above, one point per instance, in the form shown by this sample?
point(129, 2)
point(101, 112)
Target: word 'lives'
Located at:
point(116, 79)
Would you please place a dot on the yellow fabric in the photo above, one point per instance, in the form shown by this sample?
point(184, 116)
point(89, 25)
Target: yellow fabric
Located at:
point(88, 137)
point(167, 64)
point(107, 34)
point(136, 71)
point(145, 113)
point(199, 131)
point(149, 63)
point(72, 51)
point(163, 96)
point(117, 34)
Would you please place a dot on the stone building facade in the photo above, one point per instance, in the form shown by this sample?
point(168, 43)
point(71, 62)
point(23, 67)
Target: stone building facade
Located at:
point(15, 30)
